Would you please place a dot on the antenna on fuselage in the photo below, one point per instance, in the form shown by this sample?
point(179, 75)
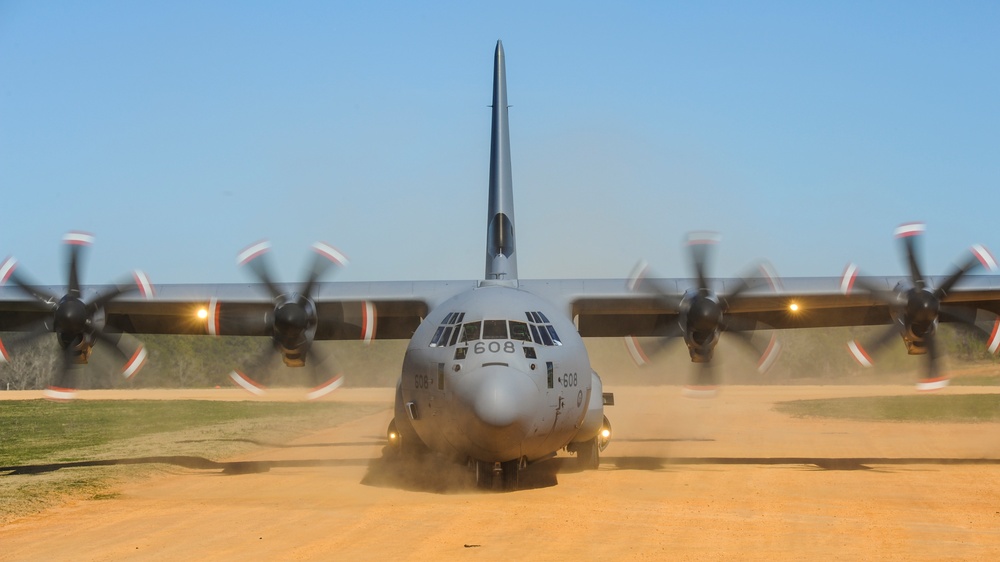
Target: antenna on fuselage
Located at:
point(501, 257)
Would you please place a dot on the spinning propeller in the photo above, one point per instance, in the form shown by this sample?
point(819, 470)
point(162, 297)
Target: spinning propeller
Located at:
point(294, 321)
point(916, 308)
point(77, 318)
point(701, 317)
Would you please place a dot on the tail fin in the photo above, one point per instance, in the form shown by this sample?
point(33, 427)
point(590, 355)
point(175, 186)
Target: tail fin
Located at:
point(501, 257)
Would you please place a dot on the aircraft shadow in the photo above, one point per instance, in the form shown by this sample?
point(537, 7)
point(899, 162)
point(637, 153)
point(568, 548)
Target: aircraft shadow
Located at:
point(667, 440)
point(184, 461)
point(434, 474)
point(272, 445)
point(439, 475)
point(814, 463)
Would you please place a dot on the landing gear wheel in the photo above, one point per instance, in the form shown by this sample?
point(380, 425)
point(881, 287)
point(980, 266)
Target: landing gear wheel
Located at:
point(402, 447)
point(511, 470)
point(484, 475)
point(588, 456)
point(394, 442)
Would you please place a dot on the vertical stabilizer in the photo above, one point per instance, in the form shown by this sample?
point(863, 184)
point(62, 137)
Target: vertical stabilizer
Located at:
point(501, 257)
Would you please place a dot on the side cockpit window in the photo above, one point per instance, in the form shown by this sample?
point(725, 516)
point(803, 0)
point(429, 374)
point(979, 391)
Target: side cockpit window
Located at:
point(448, 331)
point(542, 331)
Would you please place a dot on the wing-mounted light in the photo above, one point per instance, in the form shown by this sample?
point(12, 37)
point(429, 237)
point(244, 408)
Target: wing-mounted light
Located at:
point(702, 316)
point(292, 323)
point(915, 307)
point(77, 317)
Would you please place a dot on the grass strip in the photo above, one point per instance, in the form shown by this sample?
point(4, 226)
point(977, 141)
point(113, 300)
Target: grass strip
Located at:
point(38, 432)
point(37, 429)
point(958, 408)
point(976, 380)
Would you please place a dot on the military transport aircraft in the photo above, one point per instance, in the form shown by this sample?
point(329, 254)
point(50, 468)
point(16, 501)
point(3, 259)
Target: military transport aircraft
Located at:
point(496, 374)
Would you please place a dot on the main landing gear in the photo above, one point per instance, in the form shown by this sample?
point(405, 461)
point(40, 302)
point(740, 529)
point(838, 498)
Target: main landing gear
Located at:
point(588, 453)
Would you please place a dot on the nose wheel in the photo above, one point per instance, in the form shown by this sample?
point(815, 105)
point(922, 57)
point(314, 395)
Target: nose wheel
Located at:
point(489, 474)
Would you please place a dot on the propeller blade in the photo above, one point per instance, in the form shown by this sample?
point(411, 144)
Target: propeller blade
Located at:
point(933, 380)
point(45, 300)
point(326, 374)
point(704, 385)
point(63, 387)
point(762, 274)
point(850, 280)
point(641, 354)
point(326, 256)
point(768, 353)
point(261, 367)
point(980, 256)
point(30, 333)
point(252, 256)
point(639, 281)
point(863, 353)
point(132, 352)
point(699, 245)
point(75, 243)
point(966, 318)
point(908, 233)
point(139, 281)
point(246, 383)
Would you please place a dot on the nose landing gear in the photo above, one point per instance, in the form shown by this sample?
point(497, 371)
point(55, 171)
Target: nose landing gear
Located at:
point(489, 474)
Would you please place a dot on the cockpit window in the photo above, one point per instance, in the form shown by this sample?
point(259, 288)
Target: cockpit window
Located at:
point(542, 331)
point(536, 330)
point(470, 331)
point(546, 338)
point(552, 332)
point(436, 340)
point(519, 331)
point(448, 331)
point(494, 329)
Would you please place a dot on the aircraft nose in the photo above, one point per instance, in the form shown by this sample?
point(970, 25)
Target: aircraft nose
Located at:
point(502, 397)
point(501, 403)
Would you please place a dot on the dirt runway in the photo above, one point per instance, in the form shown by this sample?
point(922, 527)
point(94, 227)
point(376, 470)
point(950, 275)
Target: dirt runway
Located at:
point(683, 479)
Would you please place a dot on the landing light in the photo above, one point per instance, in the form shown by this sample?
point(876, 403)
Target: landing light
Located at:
point(794, 307)
point(202, 313)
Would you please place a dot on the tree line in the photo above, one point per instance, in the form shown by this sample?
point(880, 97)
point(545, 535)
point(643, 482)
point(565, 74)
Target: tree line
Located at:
point(814, 355)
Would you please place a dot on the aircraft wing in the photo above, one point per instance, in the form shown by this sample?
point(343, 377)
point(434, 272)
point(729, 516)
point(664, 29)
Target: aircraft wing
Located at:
point(609, 308)
point(394, 309)
point(376, 310)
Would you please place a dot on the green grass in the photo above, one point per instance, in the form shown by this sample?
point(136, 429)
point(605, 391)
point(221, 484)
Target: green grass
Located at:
point(961, 408)
point(40, 433)
point(33, 430)
point(976, 380)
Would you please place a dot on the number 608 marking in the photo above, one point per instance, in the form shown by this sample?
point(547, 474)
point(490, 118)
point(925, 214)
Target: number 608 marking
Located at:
point(493, 347)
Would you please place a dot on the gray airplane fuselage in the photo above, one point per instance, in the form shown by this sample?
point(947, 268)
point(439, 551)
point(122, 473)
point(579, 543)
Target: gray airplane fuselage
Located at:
point(497, 374)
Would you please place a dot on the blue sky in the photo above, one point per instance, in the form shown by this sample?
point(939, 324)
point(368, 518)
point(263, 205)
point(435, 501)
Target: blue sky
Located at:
point(180, 132)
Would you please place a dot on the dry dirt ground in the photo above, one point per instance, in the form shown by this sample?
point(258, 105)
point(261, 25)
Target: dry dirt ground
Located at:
point(728, 478)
